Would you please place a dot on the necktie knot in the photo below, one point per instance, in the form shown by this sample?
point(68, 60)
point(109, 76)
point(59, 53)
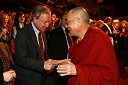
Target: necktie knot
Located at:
point(39, 34)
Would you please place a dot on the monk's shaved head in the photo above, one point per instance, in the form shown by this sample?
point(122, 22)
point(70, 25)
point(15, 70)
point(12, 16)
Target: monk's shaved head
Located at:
point(78, 22)
point(81, 13)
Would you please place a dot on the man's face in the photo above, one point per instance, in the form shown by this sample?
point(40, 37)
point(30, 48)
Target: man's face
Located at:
point(116, 25)
point(42, 23)
point(71, 24)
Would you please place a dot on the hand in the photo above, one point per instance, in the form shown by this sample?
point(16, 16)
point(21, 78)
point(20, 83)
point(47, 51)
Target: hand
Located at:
point(48, 64)
point(67, 68)
point(9, 75)
point(60, 62)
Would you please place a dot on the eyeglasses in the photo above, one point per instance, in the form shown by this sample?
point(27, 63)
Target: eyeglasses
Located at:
point(68, 21)
point(45, 23)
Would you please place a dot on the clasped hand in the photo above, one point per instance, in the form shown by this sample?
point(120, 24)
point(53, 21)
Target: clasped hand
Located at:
point(64, 67)
point(9, 75)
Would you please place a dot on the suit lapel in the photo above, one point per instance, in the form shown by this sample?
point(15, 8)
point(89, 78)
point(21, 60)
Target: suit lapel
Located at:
point(32, 36)
point(34, 40)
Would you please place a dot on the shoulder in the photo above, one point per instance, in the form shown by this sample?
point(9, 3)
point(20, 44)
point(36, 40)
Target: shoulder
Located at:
point(96, 31)
point(57, 30)
point(97, 34)
point(25, 31)
point(104, 27)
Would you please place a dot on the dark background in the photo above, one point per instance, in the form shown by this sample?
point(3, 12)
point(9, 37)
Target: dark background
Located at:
point(114, 8)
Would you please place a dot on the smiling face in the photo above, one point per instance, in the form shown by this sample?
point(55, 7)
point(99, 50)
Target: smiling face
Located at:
point(78, 22)
point(73, 24)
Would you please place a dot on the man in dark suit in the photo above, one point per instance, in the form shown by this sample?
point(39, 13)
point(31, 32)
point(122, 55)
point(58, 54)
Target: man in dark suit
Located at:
point(117, 38)
point(59, 45)
point(31, 65)
point(107, 28)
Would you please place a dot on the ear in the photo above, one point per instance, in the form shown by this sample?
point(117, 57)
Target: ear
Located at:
point(79, 22)
point(34, 20)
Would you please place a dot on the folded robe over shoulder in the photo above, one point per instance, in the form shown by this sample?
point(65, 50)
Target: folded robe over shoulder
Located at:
point(95, 60)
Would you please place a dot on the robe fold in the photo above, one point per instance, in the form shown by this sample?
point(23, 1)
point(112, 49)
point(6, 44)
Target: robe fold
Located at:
point(95, 60)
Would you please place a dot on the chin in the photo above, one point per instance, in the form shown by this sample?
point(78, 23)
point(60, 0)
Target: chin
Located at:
point(42, 31)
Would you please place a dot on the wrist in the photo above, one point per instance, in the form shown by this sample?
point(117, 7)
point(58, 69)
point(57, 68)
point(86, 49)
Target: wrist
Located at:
point(44, 65)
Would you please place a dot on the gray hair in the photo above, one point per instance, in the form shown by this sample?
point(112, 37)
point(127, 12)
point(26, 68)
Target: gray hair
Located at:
point(38, 10)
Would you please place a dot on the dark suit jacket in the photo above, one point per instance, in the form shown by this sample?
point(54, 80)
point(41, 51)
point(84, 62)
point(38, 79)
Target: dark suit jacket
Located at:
point(117, 45)
point(105, 29)
point(58, 50)
point(125, 56)
point(58, 44)
point(29, 65)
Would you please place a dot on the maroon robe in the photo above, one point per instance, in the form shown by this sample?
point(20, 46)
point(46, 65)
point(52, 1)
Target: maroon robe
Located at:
point(94, 59)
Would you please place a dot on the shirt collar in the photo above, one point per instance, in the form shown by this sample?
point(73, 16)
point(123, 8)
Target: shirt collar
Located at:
point(35, 29)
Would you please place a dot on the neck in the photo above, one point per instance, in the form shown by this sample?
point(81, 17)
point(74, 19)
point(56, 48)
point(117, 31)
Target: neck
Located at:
point(83, 32)
point(80, 38)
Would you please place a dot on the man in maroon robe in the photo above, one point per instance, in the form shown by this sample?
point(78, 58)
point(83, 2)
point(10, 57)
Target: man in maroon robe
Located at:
point(93, 60)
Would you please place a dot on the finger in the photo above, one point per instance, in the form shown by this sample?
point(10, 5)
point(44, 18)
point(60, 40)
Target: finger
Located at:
point(55, 62)
point(11, 71)
point(64, 62)
point(11, 79)
point(48, 61)
point(61, 69)
point(68, 61)
point(63, 74)
point(52, 66)
point(61, 66)
point(60, 62)
point(14, 75)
